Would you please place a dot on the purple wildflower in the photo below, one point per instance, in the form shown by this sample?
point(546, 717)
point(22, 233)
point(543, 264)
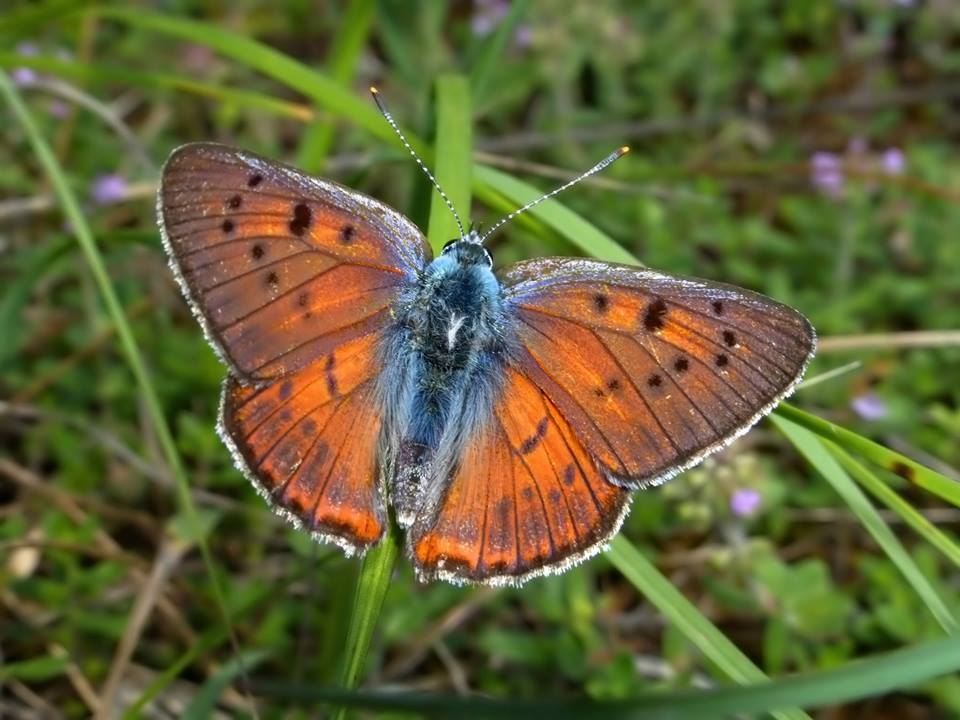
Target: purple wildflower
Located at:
point(523, 37)
point(23, 75)
point(58, 108)
point(487, 15)
point(826, 172)
point(744, 502)
point(893, 161)
point(108, 189)
point(869, 407)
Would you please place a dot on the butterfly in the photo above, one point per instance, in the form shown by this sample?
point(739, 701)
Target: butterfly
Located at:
point(504, 417)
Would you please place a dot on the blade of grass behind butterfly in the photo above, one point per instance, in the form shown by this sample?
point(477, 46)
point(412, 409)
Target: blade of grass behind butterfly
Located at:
point(812, 448)
point(325, 92)
point(99, 73)
point(348, 41)
point(565, 221)
point(128, 341)
point(910, 470)
point(453, 144)
point(685, 617)
point(913, 517)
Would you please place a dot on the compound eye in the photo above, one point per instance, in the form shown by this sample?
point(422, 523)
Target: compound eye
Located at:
point(448, 246)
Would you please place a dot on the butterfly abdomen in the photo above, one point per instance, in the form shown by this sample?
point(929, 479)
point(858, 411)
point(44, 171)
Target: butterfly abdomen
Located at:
point(450, 334)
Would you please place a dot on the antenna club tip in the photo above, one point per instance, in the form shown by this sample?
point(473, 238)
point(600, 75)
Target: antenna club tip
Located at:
point(373, 90)
point(624, 149)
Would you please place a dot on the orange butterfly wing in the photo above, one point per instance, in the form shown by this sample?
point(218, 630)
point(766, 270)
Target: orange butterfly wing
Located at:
point(280, 267)
point(292, 279)
point(526, 499)
point(653, 372)
point(308, 443)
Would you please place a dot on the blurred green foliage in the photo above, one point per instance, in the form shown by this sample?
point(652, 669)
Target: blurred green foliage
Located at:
point(805, 150)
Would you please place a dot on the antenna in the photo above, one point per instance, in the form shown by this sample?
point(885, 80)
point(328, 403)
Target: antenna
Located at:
point(612, 157)
point(396, 128)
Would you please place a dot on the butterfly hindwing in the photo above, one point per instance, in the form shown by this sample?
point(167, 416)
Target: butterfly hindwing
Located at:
point(525, 499)
point(652, 371)
point(280, 267)
point(308, 442)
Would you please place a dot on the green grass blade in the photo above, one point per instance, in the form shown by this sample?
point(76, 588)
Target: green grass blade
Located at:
point(686, 618)
point(372, 585)
point(99, 73)
point(128, 342)
point(870, 677)
point(204, 702)
point(348, 43)
point(572, 226)
point(453, 140)
point(453, 161)
point(492, 50)
point(913, 517)
point(325, 92)
point(812, 448)
point(910, 470)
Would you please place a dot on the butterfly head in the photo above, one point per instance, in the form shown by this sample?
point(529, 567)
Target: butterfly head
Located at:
point(468, 251)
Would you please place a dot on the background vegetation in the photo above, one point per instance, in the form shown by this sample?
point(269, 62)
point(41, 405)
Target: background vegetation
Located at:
point(808, 150)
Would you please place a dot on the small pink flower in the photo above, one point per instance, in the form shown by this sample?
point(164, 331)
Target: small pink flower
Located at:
point(58, 108)
point(487, 15)
point(108, 189)
point(744, 502)
point(23, 75)
point(869, 407)
point(826, 172)
point(893, 161)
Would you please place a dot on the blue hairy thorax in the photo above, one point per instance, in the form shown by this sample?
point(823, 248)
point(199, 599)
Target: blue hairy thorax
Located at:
point(442, 360)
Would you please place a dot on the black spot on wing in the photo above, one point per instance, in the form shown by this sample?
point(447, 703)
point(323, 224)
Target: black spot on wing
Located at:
point(531, 442)
point(254, 180)
point(332, 388)
point(655, 315)
point(302, 217)
point(601, 303)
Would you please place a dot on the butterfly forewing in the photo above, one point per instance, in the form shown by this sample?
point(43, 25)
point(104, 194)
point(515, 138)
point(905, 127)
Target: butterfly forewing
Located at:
point(653, 371)
point(280, 267)
point(525, 500)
